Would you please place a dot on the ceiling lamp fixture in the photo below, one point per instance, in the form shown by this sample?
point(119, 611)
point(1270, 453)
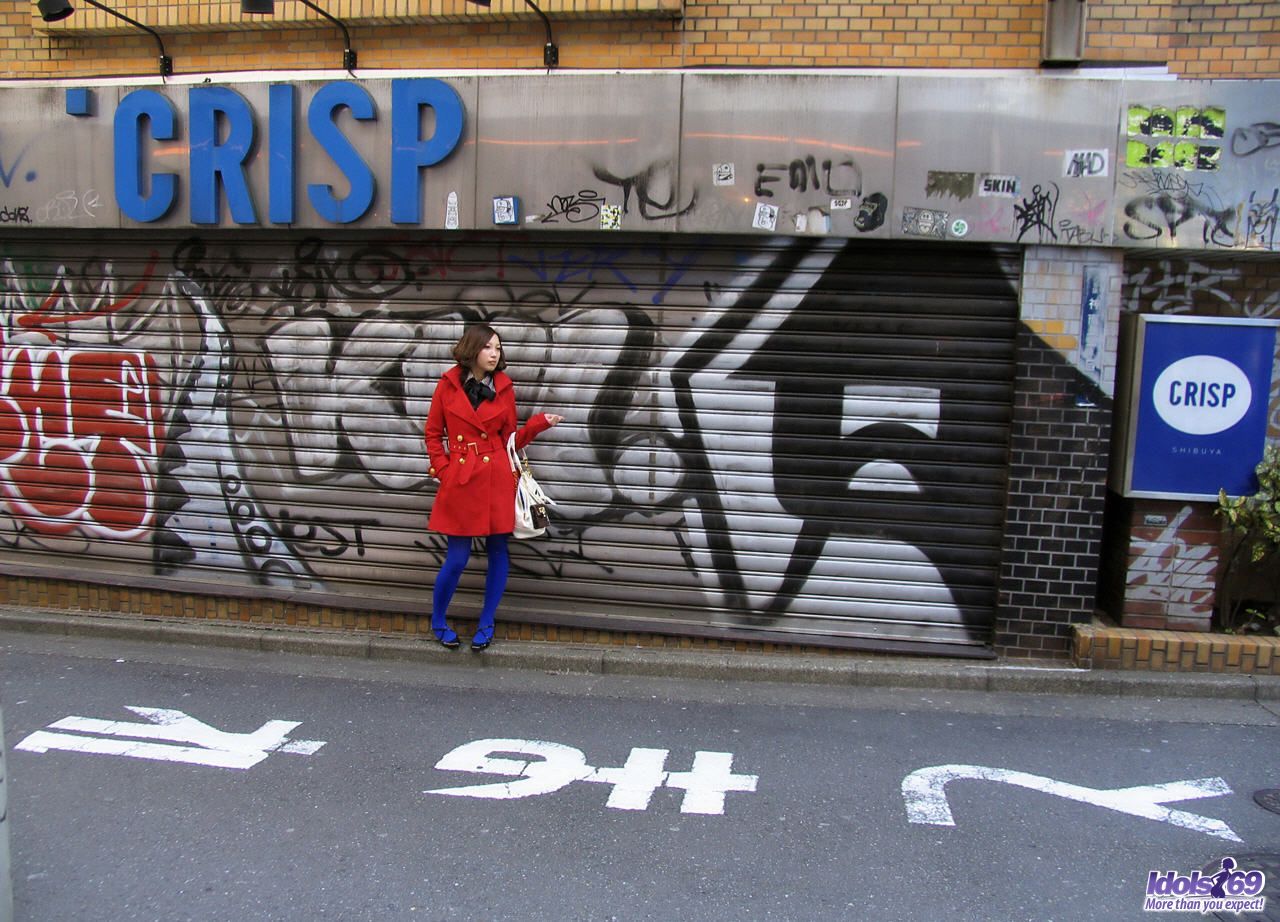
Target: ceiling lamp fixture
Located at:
point(56, 10)
point(550, 53)
point(268, 8)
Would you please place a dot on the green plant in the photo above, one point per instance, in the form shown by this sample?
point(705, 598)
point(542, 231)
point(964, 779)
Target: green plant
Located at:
point(1253, 552)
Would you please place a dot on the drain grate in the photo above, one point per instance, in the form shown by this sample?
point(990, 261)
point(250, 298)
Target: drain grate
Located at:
point(1268, 799)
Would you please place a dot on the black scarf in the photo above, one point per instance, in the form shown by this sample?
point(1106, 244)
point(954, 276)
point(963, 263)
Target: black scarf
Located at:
point(478, 391)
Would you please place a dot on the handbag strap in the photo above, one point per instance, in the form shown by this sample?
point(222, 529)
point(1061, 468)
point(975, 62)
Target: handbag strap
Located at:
point(512, 455)
point(520, 467)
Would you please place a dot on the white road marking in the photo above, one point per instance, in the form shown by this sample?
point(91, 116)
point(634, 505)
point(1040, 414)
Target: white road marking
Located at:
point(924, 792)
point(210, 746)
point(705, 785)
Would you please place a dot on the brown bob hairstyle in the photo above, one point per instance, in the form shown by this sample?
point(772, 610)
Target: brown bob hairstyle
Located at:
point(475, 338)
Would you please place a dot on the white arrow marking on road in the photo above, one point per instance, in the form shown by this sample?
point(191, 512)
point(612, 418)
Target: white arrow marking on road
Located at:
point(924, 792)
point(213, 747)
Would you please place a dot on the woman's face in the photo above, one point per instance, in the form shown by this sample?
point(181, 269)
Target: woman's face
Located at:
point(487, 360)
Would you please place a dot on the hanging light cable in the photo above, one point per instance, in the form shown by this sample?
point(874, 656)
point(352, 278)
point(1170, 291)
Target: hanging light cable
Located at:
point(550, 52)
point(56, 10)
point(268, 8)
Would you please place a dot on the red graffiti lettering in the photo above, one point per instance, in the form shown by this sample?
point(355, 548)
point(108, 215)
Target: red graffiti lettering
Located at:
point(80, 435)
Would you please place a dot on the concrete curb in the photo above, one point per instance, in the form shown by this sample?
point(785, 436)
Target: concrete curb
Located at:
point(870, 671)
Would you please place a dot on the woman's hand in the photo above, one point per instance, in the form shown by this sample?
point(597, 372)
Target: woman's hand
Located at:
point(553, 419)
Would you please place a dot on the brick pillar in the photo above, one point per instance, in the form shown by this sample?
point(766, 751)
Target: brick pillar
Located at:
point(1059, 450)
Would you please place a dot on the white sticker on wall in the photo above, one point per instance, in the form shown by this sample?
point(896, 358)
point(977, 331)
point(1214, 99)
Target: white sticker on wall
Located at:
point(1080, 164)
point(611, 217)
point(990, 184)
point(506, 209)
point(722, 174)
point(766, 217)
point(841, 204)
point(451, 212)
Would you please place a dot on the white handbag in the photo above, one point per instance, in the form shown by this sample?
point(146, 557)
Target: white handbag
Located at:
point(531, 501)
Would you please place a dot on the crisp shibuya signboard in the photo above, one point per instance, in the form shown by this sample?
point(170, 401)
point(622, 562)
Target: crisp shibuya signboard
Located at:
point(1198, 404)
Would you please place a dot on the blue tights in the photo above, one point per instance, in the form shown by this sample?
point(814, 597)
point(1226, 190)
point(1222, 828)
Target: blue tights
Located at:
point(495, 582)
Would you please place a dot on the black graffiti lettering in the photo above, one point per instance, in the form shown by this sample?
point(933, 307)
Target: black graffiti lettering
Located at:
point(314, 534)
point(17, 215)
point(1036, 213)
point(854, 188)
point(1260, 230)
point(1150, 216)
point(764, 180)
point(320, 272)
point(1247, 141)
point(1071, 232)
point(576, 208)
point(644, 184)
point(254, 533)
point(1152, 181)
point(229, 283)
point(376, 271)
point(803, 175)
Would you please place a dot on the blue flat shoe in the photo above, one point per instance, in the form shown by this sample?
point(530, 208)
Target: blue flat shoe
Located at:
point(481, 641)
point(447, 637)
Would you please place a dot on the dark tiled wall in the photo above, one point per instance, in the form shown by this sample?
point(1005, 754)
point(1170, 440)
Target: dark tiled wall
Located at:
point(1059, 450)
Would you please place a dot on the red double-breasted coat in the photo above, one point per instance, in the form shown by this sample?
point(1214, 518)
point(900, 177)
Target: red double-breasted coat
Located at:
point(468, 452)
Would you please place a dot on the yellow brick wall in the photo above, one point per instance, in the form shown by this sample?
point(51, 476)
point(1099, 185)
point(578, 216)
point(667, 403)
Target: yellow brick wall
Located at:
point(1204, 38)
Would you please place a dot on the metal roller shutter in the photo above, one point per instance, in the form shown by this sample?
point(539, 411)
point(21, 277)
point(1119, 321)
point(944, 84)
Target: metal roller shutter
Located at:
point(801, 438)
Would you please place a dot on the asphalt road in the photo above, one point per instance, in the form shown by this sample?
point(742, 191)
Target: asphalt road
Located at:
point(599, 797)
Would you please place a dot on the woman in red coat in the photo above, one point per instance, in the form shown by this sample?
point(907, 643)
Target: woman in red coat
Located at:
point(473, 411)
